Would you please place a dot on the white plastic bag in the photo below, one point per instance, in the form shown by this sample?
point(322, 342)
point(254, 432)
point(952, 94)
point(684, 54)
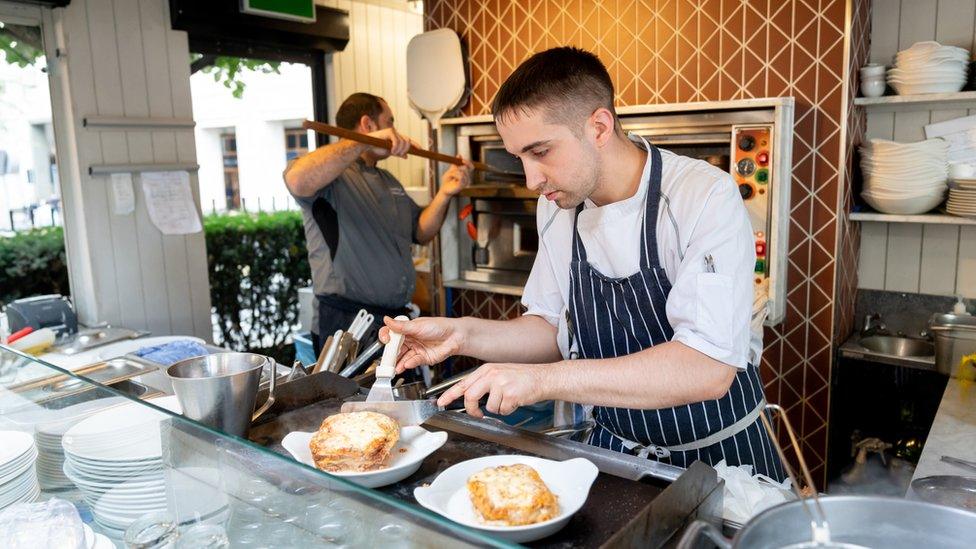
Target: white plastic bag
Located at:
point(746, 494)
point(52, 524)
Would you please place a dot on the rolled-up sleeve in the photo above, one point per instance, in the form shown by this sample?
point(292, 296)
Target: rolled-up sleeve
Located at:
point(711, 311)
point(541, 295)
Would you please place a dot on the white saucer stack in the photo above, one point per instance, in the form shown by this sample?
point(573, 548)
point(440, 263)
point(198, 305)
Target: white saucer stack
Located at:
point(904, 178)
point(18, 478)
point(115, 458)
point(962, 198)
point(929, 67)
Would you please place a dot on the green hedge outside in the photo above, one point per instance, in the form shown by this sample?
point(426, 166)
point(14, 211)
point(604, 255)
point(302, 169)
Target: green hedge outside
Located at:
point(256, 262)
point(33, 263)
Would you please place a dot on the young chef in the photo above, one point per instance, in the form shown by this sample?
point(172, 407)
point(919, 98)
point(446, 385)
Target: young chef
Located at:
point(643, 280)
point(360, 223)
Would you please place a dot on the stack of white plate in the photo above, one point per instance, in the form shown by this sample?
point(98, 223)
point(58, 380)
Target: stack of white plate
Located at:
point(929, 67)
point(18, 478)
point(115, 458)
point(962, 197)
point(904, 178)
point(48, 431)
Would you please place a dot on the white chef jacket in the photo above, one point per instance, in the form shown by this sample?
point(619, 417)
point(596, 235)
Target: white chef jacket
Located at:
point(701, 213)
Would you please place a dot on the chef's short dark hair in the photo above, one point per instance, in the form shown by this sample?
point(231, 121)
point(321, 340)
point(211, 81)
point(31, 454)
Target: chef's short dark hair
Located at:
point(357, 105)
point(570, 83)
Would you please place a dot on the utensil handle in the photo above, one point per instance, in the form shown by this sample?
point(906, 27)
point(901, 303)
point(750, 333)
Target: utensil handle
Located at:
point(391, 352)
point(439, 388)
point(959, 462)
point(361, 359)
point(271, 392)
point(386, 144)
point(701, 528)
point(821, 532)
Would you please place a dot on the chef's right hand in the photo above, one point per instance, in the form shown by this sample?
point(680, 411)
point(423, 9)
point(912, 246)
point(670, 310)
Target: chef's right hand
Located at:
point(426, 340)
point(401, 143)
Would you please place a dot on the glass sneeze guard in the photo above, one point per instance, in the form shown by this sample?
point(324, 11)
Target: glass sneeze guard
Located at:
point(120, 460)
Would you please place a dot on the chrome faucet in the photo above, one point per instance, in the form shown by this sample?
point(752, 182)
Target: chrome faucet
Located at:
point(873, 325)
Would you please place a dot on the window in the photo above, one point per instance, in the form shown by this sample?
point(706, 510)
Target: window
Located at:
point(232, 186)
point(296, 143)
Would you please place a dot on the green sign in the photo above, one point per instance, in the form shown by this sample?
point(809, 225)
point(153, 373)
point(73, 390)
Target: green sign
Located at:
point(295, 10)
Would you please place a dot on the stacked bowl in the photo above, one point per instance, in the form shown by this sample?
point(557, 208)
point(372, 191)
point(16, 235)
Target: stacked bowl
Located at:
point(929, 67)
point(904, 178)
point(18, 479)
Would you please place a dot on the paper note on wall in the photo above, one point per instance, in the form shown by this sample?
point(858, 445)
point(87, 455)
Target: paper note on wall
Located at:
point(123, 196)
point(960, 133)
point(170, 202)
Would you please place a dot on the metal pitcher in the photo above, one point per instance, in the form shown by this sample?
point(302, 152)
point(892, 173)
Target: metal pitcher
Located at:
point(220, 389)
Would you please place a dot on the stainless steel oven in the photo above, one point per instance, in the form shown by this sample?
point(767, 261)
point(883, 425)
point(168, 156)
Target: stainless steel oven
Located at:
point(493, 241)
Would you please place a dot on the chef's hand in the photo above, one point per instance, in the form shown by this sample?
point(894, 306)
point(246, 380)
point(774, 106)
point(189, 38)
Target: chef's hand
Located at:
point(426, 340)
point(401, 143)
point(456, 178)
point(508, 386)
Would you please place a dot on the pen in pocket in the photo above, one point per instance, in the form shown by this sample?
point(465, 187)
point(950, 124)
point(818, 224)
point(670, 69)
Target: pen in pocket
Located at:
point(709, 264)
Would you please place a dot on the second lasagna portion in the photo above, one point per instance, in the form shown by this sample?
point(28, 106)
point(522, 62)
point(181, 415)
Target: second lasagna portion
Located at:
point(512, 495)
point(357, 441)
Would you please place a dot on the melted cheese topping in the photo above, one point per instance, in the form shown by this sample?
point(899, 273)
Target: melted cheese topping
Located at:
point(512, 495)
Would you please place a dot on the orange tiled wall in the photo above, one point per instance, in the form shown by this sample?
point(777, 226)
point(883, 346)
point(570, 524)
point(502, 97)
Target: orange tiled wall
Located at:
point(663, 51)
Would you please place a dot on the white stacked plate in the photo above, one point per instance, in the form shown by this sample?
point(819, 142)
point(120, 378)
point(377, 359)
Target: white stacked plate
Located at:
point(18, 478)
point(929, 67)
point(48, 433)
point(904, 178)
point(114, 457)
point(962, 198)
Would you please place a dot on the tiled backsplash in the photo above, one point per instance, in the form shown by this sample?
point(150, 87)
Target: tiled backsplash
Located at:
point(688, 50)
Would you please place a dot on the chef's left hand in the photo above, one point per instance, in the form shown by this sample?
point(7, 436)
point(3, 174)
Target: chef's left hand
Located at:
point(456, 178)
point(508, 386)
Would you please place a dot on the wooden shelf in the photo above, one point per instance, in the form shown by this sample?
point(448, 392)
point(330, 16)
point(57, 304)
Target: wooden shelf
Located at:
point(925, 101)
point(929, 219)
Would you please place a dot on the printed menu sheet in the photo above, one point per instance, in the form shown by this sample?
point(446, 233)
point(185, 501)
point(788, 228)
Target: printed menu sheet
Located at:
point(170, 202)
point(960, 133)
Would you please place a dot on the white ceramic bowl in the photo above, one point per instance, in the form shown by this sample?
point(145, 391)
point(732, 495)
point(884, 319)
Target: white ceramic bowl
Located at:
point(920, 89)
point(569, 480)
point(415, 444)
point(873, 87)
point(902, 206)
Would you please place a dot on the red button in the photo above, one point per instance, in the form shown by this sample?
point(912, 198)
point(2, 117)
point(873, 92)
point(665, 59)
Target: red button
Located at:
point(762, 158)
point(760, 249)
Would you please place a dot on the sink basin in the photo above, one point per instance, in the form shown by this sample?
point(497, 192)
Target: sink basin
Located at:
point(898, 346)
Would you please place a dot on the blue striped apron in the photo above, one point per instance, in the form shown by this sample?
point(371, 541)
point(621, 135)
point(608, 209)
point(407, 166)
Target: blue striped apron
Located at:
point(611, 317)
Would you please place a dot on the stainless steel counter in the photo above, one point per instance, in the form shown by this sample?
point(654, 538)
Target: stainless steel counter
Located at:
point(953, 432)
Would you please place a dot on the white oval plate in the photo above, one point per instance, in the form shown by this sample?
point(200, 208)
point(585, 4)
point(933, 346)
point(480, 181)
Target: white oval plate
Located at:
point(96, 437)
point(417, 441)
point(569, 480)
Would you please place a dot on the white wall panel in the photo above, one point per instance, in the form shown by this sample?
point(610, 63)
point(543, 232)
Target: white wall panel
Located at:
point(374, 61)
point(931, 259)
point(124, 60)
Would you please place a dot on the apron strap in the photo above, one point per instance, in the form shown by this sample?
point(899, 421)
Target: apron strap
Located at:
point(664, 451)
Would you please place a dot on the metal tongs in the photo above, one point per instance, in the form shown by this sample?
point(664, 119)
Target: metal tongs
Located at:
point(818, 519)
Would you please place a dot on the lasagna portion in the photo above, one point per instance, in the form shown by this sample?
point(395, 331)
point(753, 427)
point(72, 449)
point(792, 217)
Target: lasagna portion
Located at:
point(511, 495)
point(357, 441)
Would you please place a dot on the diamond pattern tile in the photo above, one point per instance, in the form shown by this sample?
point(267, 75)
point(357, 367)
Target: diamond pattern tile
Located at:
point(663, 51)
